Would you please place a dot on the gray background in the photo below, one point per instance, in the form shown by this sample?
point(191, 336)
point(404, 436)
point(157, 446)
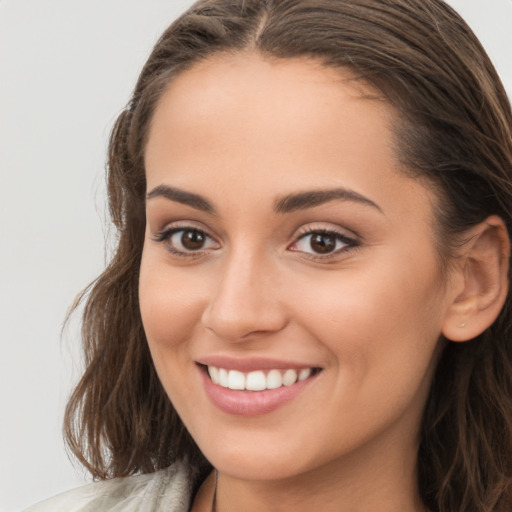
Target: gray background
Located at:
point(66, 69)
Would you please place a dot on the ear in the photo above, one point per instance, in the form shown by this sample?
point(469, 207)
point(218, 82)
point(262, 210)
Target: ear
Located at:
point(480, 284)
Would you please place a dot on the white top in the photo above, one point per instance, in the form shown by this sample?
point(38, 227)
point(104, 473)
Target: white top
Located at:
point(168, 490)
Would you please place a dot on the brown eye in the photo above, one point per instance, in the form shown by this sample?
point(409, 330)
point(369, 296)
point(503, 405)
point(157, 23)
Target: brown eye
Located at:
point(193, 240)
point(187, 242)
point(323, 243)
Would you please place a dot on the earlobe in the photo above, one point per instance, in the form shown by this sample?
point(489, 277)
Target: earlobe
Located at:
point(482, 281)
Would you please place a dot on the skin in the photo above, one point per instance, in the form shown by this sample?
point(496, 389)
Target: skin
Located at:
point(242, 132)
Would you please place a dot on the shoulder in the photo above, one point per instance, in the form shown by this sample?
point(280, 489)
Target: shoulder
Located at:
point(167, 490)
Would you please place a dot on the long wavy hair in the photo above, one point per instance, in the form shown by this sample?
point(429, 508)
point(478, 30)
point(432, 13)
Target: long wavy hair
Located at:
point(454, 129)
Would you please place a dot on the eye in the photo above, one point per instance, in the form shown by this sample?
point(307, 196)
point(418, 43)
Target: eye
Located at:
point(184, 241)
point(322, 243)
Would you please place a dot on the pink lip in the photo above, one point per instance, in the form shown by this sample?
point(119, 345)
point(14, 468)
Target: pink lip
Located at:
point(252, 364)
point(251, 403)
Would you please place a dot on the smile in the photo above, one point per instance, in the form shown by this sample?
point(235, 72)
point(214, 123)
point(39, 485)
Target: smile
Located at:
point(257, 380)
point(255, 391)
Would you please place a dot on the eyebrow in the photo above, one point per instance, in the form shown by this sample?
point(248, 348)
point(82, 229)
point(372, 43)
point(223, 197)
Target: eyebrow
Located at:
point(287, 204)
point(309, 199)
point(180, 196)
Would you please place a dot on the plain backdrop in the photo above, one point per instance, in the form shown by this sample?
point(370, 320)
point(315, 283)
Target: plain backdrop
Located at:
point(67, 68)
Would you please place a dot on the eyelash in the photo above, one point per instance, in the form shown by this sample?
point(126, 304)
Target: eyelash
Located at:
point(349, 243)
point(165, 236)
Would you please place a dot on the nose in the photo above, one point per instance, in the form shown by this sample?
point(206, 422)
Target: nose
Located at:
point(245, 301)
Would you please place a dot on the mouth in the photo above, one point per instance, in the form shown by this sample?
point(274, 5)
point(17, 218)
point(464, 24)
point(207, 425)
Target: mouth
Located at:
point(254, 392)
point(259, 380)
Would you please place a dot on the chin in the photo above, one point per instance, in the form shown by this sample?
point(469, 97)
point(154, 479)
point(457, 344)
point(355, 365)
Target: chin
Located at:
point(255, 467)
point(262, 456)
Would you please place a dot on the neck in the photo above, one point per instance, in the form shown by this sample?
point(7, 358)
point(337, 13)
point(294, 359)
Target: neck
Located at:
point(257, 496)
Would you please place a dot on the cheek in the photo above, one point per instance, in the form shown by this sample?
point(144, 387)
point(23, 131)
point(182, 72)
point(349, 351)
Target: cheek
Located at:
point(387, 317)
point(382, 334)
point(170, 304)
point(171, 307)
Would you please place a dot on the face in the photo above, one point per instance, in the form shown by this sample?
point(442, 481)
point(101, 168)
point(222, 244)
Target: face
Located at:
point(288, 257)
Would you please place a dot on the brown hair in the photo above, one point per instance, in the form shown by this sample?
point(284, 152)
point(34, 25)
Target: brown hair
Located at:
point(454, 129)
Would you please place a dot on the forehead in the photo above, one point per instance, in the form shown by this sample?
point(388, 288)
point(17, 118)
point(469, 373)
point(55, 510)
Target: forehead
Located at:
point(273, 126)
point(244, 99)
point(243, 89)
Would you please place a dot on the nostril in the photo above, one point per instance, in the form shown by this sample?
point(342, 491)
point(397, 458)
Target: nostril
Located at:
point(239, 327)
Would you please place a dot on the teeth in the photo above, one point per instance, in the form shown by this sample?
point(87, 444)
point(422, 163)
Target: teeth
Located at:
point(289, 377)
point(236, 380)
point(214, 374)
point(223, 378)
point(304, 374)
point(257, 380)
point(274, 379)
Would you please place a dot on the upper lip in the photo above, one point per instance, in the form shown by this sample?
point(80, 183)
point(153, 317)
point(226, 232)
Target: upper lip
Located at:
point(251, 364)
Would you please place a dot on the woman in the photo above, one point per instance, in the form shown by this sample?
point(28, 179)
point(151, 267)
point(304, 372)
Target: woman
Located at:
point(308, 306)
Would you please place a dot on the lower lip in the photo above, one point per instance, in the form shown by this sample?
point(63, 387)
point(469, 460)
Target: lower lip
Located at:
point(251, 403)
